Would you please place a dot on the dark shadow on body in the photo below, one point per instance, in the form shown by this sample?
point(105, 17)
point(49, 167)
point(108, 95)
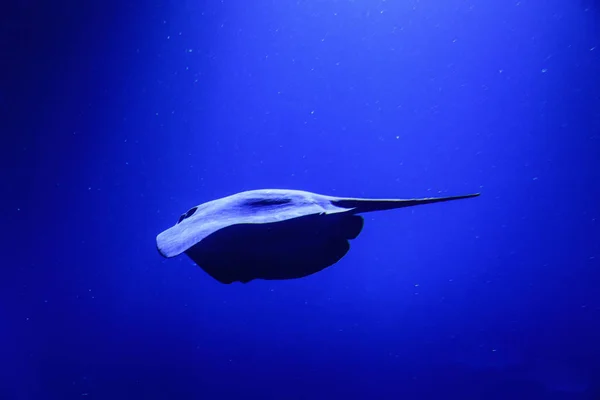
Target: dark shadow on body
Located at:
point(289, 249)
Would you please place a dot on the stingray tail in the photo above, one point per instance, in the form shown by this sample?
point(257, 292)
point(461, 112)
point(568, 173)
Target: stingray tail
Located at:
point(367, 205)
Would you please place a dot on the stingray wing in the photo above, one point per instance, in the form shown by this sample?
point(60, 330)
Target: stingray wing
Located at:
point(250, 207)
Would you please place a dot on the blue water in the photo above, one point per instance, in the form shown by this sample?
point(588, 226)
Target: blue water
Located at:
point(119, 116)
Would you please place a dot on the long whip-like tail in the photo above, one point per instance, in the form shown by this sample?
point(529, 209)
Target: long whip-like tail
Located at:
point(367, 205)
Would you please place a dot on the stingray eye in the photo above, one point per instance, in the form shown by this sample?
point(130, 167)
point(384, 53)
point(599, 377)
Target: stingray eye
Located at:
point(188, 214)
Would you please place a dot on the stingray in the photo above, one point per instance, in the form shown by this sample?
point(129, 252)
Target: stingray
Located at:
point(273, 234)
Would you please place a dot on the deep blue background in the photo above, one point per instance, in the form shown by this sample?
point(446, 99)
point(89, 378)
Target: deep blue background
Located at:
point(119, 116)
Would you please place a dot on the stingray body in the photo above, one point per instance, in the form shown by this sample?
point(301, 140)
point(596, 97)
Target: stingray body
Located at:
point(273, 233)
